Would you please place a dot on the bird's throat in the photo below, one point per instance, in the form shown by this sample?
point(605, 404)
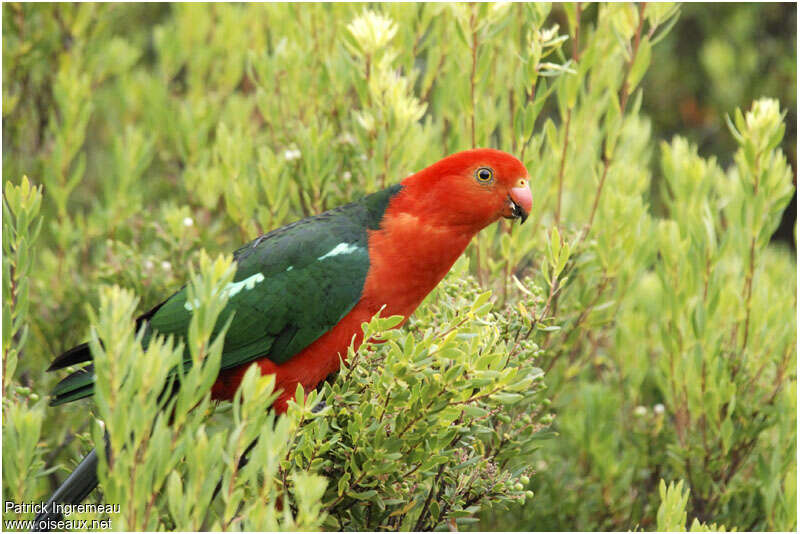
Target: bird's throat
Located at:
point(408, 258)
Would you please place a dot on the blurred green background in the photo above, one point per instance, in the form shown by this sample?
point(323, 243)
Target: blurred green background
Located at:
point(719, 54)
point(715, 57)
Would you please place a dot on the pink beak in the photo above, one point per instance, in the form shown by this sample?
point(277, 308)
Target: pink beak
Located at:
point(523, 201)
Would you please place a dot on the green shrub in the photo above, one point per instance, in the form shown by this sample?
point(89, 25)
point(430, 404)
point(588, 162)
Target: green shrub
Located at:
point(640, 319)
point(439, 416)
point(23, 411)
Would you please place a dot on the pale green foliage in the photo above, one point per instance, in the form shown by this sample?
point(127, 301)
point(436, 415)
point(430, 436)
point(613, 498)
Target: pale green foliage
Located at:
point(643, 285)
point(23, 411)
point(22, 454)
point(165, 462)
point(671, 515)
point(21, 205)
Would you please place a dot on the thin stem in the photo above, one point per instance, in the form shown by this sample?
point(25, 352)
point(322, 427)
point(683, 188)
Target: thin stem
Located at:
point(367, 73)
point(424, 511)
point(341, 497)
point(474, 49)
point(512, 111)
point(748, 288)
point(509, 229)
point(623, 102)
point(561, 166)
point(478, 271)
point(422, 414)
point(12, 311)
point(596, 202)
point(582, 317)
point(427, 96)
point(576, 50)
point(748, 283)
point(475, 397)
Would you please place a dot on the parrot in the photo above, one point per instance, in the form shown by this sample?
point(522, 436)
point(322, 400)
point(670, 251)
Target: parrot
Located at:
point(301, 292)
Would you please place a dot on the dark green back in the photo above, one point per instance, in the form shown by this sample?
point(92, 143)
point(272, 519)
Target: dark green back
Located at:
point(291, 286)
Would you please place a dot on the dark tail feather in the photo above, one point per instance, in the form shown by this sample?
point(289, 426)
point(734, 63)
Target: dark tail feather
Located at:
point(83, 480)
point(82, 353)
point(242, 462)
point(244, 458)
point(72, 491)
point(73, 356)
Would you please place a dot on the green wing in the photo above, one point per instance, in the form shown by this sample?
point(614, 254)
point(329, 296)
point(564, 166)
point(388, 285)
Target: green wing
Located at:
point(291, 286)
point(287, 292)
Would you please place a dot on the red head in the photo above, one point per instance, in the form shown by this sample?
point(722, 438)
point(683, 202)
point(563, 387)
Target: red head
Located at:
point(472, 189)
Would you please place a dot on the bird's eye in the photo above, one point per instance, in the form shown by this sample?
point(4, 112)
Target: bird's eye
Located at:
point(484, 175)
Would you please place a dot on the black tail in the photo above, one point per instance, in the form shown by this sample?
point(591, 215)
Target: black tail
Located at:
point(244, 458)
point(72, 491)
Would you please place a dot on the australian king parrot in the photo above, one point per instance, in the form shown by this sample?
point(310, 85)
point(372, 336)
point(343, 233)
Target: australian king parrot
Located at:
point(301, 292)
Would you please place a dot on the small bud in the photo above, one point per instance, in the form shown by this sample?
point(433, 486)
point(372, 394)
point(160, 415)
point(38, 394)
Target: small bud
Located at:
point(640, 411)
point(292, 154)
point(187, 221)
point(658, 409)
point(347, 138)
point(764, 118)
point(549, 34)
